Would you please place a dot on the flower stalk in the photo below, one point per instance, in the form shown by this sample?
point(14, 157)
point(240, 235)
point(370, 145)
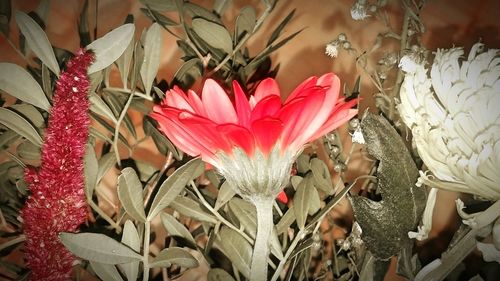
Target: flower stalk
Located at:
point(258, 267)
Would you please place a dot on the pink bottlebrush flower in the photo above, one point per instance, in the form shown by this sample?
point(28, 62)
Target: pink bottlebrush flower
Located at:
point(254, 142)
point(57, 200)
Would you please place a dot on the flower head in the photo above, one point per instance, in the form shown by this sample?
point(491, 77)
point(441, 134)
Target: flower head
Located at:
point(57, 200)
point(454, 119)
point(359, 10)
point(254, 141)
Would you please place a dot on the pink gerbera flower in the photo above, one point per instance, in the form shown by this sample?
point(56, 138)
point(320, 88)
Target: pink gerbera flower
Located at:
point(254, 141)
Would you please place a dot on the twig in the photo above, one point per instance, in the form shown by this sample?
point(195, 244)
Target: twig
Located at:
point(123, 113)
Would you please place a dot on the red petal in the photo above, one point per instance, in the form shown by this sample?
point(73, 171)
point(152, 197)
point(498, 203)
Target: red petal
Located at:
point(282, 197)
point(299, 91)
point(238, 136)
point(176, 98)
point(205, 131)
point(267, 107)
point(267, 132)
point(196, 104)
point(297, 116)
point(339, 116)
point(266, 88)
point(176, 133)
point(242, 105)
point(217, 104)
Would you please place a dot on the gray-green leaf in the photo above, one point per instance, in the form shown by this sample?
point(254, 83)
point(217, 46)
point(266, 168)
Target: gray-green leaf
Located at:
point(245, 21)
point(302, 200)
point(18, 124)
point(106, 271)
point(214, 34)
point(219, 274)
point(130, 237)
point(174, 255)
point(17, 82)
point(110, 47)
point(130, 194)
point(175, 228)
point(151, 60)
point(98, 247)
point(226, 192)
point(190, 208)
point(98, 106)
point(37, 40)
point(174, 184)
point(385, 224)
point(90, 170)
point(236, 248)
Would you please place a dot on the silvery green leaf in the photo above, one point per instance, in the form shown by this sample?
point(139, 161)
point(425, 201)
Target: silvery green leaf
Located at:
point(30, 113)
point(225, 194)
point(221, 5)
point(17, 123)
point(5, 14)
point(314, 201)
point(163, 144)
point(190, 208)
point(214, 34)
point(277, 32)
point(46, 81)
point(37, 40)
point(99, 135)
point(116, 103)
point(160, 5)
point(105, 163)
point(188, 72)
point(302, 200)
point(303, 164)
point(197, 11)
point(286, 221)
point(124, 62)
point(151, 60)
point(174, 255)
point(98, 106)
point(245, 22)
point(106, 271)
point(174, 184)
point(17, 82)
point(98, 247)
point(90, 170)
point(130, 194)
point(218, 274)
point(321, 176)
point(236, 248)
point(7, 138)
point(130, 237)
point(110, 47)
point(385, 224)
point(175, 228)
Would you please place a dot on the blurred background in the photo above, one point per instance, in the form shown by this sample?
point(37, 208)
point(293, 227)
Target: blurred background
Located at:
point(448, 23)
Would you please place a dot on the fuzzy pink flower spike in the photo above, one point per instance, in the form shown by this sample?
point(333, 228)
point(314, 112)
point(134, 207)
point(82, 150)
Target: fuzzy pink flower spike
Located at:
point(57, 200)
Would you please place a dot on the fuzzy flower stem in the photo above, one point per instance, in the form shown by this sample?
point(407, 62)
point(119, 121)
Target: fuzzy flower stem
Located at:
point(258, 267)
point(403, 47)
point(147, 231)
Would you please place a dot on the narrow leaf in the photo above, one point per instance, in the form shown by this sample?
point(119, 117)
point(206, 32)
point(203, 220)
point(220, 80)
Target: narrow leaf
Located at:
point(130, 237)
point(97, 105)
point(174, 184)
point(98, 247)
point(286, 221)
point(130, 194)
point(277, 32)
point(214, 34)
point(28, 151)
point(105, 163)
point(245, 22)
point(110, 47)
point(321, 176)
point(124, 63)
point(151, 61)
point(17, 82)
point(175, 228)
point(18, 124)
point(106, 271)
point(219, 274)
point(90, 170)
point(174, 255)
point(225, 194)
point(37, 40)
point(190, 208)
point(236, 248)
point(30, 113)
point(302, 200)
point(188, 72)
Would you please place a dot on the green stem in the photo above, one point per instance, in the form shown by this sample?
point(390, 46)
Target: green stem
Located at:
point(258, 267)
point(103, 215)
point(145, 259)
point(118, 124)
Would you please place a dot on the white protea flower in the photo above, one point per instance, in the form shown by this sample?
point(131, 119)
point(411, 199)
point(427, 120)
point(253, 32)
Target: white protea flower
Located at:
point(332, 49)
point(454, 116)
